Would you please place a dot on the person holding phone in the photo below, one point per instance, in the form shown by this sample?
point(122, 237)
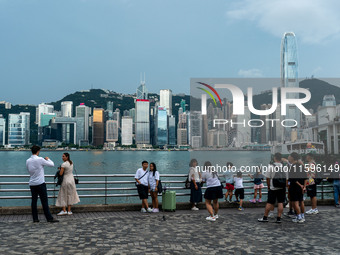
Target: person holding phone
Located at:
point(35, 166)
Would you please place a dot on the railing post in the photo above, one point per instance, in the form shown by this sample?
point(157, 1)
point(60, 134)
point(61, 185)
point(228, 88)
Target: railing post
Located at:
point(322, 190)
point(53, 191)
point(105, 190)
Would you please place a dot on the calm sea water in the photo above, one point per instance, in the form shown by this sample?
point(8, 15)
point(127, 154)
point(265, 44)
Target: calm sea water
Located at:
point(117, 162)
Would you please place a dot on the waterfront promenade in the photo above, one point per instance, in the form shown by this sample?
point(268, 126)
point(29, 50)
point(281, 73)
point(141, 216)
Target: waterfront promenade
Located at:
point(180, 232)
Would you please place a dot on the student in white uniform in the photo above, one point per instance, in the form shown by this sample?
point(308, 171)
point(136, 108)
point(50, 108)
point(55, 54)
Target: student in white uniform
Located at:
point(153, 184)
point(213, 191)
point(142, 183)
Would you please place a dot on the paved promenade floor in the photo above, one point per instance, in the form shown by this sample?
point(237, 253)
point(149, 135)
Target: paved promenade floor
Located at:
point(180, 232)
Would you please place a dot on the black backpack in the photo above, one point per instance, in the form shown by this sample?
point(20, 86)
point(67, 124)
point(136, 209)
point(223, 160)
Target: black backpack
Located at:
point(279, 180)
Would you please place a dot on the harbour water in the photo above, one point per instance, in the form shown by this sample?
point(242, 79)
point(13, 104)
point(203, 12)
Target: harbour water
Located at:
point(127, 162)
point(117, 162)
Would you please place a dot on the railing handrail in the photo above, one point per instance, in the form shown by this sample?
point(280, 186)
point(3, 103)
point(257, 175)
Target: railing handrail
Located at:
point(90, 175)
point(107, 179)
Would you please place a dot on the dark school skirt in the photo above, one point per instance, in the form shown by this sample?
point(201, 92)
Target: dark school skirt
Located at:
point(195, 195)
point(213, 193)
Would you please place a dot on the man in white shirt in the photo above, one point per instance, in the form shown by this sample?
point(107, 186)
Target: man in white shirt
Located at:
point(35, 166)
point(142, 183)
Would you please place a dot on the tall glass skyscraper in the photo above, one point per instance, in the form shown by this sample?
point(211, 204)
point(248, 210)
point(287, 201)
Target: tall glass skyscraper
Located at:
point(112, 131)
point(162, 126)
point(165, 96)
point(172, 130)
point(19, 129)
point(289, 76)
point(66, 108)
point(43, 109)
point(142, 118)
point(142, 121)
point(98, 127)
point(127, 135)
point(83, 111)
point(2, 130)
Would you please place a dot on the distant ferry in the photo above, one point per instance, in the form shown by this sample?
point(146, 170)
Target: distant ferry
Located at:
point(300, 147)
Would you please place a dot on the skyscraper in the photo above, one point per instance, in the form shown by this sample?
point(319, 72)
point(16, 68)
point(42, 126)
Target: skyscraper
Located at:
point(183, 105)
point(142, 121)
point(142, 115)
point(172, 130)
point(289, 76)
point(195, 123)
point(2, 130)
point(182, 129)
point(41, 110)
point(109, 106)
point(66, 109)
point(162, 126)
point(98, 127)
point(165, 96)
point(19, 129)
point(83, 111)
point(112, 131)
point(142, 92)
point(127, 135)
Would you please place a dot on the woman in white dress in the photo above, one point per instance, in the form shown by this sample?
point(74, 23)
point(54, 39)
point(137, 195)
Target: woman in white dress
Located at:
point(68, 195)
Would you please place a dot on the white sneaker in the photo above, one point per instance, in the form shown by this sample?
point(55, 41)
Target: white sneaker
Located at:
point(149, 209)
point(216, 216)
point(297, 220)
point(69, 213)
point(143, 210)
point(271, 215)
point(62, 213)
point(316, 211)
point(194, 208)
point(311, 211)
point(210, 218)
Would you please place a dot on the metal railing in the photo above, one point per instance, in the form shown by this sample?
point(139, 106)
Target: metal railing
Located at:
point(114, 185)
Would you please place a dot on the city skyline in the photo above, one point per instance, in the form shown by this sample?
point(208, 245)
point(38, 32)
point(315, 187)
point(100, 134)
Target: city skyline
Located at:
point(45, 60)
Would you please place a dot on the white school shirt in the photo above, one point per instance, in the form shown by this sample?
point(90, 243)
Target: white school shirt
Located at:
point(194, 171)
point(238, 183)
point(35, 166)
point(153, 179)
point(140, 172)
point(271, 173)
point(211, 180)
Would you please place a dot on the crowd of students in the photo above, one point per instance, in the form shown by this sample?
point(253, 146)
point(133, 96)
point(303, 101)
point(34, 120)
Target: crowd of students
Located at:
point(283, 174)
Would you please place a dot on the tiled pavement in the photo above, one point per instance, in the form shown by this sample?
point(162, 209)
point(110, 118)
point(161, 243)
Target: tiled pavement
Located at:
point(181, 232)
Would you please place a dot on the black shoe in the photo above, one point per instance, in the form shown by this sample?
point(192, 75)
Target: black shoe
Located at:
point(53, 220)
point(36, 221)
point(262, 220)
point(278, 221)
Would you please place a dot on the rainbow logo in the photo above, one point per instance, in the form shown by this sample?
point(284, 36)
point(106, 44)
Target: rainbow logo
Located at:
point(209, 93)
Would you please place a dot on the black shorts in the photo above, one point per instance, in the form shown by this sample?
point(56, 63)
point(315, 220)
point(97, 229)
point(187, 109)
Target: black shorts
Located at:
point(295, 194)
point(278, 195)
point(143, 191)
point(239, 193)
point(311, 190)
point(213, 193)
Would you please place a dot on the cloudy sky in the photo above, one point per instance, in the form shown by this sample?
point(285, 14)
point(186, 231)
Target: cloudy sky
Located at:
point(52, 48)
